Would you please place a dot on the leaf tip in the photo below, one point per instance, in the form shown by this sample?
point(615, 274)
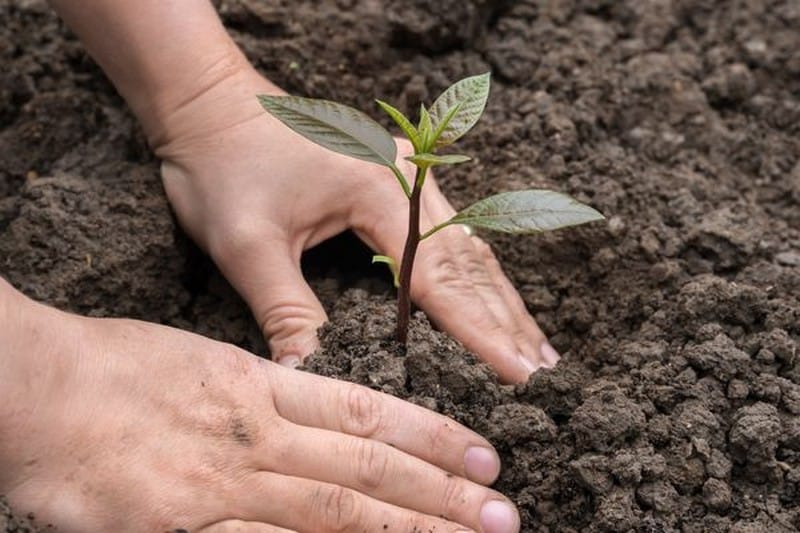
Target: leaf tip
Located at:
point(597, 215)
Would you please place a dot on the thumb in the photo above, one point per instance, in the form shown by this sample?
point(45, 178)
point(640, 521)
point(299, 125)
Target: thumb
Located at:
point(269, 278)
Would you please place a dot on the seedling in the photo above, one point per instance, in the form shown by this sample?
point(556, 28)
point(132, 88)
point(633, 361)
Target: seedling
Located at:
point(348, 131)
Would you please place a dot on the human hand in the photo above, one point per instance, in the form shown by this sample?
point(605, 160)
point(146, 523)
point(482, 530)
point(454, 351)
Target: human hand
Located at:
point(118, 425)
point(255, 195)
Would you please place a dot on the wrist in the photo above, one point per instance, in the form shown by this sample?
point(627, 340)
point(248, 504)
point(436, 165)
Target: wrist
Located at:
point(166, 103)
point(225, 98)
point(161, 56)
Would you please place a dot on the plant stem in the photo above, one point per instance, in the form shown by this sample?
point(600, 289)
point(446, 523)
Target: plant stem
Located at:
point(409, 252)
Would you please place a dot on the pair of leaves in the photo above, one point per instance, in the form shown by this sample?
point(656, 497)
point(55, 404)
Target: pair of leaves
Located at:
point(451, 116)
point(350, 132)
point(530, 211)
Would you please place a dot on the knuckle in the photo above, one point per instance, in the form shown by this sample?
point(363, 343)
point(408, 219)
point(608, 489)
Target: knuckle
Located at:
point(455, 496)
point(282, 443)
point(338, 509)
point(211, 471)
point(520, 335)
point(475, 269)
point(234, 360)
point(492, 328)
point(161, 517)
point(444, 273)
point(229, 526)
point(440, 438)
point(372, 464)
point(362, 413)
point(286, 319)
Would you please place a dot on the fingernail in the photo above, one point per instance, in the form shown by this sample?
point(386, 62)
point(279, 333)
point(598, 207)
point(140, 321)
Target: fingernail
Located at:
point(292, 361)
point(549, 354)
point(530, 366)
point(481, 465)
point(499, 517)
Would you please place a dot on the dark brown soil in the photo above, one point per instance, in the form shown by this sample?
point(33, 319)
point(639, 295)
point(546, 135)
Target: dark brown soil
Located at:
point(677, 404)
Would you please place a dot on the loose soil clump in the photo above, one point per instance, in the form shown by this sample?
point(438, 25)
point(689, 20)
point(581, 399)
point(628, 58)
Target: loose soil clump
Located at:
point(677, 403)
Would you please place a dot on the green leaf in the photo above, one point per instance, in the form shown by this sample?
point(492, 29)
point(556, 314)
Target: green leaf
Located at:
point(392, 266)
point(401, 120)
point(335, 126)
point(528, 211)
point(445, 122)
point(431, 160)
point(472, 94)
point(425, 128)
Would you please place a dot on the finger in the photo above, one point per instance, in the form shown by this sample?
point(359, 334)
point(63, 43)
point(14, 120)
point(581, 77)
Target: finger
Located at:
point(318, 402)
point(306, 505)
point(383, 473)
point(544, 354)
point(439, 284)
point(498, 292)
point(266, 272)
point(470, 262)
point(494, 288)
point(468, 258)
point(240, 526)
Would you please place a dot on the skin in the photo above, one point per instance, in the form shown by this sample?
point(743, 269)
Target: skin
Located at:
point(255, 194)
point(257, 237)
point(102, 419)
point(119, 425)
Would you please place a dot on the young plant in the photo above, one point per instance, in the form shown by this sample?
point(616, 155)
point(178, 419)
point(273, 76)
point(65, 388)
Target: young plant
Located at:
point(348, 131)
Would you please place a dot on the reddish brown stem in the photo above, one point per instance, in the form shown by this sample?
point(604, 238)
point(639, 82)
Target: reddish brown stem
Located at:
point(409, 252)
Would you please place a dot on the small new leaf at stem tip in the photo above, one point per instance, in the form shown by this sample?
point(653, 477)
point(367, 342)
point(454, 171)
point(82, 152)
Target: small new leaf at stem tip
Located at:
point(471, 93)
point(425, 128)
point(442, 126)
point(401, 120)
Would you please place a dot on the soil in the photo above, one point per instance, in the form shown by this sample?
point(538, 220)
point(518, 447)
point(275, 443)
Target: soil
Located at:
point(676, 406)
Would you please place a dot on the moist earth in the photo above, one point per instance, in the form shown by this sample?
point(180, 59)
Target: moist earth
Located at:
point(676, 406)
